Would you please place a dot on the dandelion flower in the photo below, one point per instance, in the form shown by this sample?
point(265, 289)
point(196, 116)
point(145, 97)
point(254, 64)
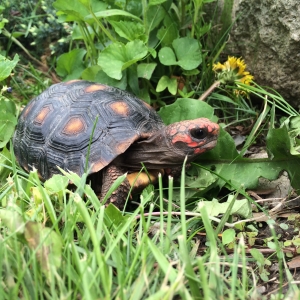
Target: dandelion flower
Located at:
point(233, 71)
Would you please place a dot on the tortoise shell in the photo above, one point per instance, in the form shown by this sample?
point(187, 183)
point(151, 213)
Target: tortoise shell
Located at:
point(77, 119)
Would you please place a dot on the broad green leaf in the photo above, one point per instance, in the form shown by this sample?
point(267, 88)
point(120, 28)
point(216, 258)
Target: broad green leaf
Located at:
point(117, 57)
point(186, 109)
point(129, 30)
point(146, 70)
point(225, 149)
point(48, 246)
point(226, 162)
point(166, 82)
point(156, 2)
point(293, 125)
point(258, 256)
point(95, 73)
point(90, 73)
point(114, 216)
point(188, 53)
point(228, 236)
point(279, 144)
point(56, 183)
point(5, 163)
point(72, 10)
point(191, 72)
point(36, 195)
point(78, 10)
point(112, 59)
point(135, 51)
point(78, 34)
point(241, 207)
point(7, 107)
point(167, 56)
point(105, 79)
point(169, 32)
point(12, 220)
point(132, 79)
point(135, 7)
point(70, 65)
point(111, 13)
point(8, 121)
point(6, 66)
point(272, 245)
point(198, 183)
point(154, 16)
point(153, 52)
point(2, 23)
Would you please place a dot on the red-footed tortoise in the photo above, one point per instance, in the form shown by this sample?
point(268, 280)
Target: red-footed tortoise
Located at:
point(55, 129)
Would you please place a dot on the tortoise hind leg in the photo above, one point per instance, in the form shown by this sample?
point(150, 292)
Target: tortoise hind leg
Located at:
point(109, 176)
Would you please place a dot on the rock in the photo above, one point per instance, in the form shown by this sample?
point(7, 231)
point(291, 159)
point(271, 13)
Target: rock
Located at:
point(267, 36)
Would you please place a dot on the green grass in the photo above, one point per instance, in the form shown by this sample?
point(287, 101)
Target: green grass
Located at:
point(60, 245)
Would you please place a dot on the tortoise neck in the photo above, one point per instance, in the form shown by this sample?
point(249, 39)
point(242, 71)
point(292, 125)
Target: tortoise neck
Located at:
point(154, 153)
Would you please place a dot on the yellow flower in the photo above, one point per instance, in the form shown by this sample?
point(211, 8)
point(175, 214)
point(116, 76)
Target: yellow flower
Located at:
point(233, 71)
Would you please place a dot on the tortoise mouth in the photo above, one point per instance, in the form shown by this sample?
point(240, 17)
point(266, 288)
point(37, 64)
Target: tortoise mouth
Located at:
point(210, 145)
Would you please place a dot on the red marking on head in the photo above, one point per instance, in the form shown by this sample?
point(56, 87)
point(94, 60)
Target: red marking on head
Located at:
point(192, 144)
point(185, 132)
point(181, 137)
point(199, 150)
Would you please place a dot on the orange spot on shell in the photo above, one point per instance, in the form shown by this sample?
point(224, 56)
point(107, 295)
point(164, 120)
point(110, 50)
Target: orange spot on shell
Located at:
point(122, 147)
point(95, 88)
point(72, 81)
point(120, 108)
point(28, 109)
point(147, 105)
point(74, 126)
point(97, 166)
point(40, 118)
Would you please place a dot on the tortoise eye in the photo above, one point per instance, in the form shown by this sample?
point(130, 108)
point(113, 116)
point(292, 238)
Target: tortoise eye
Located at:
point(198, 133)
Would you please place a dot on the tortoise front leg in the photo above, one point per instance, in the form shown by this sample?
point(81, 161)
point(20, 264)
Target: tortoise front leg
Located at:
point(136, 181)
point(119, 196)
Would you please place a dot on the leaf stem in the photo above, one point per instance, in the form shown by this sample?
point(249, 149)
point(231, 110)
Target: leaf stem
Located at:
point(209, 90)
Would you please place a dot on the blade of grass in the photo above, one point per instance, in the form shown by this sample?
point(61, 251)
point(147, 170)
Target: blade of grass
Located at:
point(94, 238)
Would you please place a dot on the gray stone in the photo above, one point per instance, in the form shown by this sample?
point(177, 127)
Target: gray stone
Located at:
point(267, 36)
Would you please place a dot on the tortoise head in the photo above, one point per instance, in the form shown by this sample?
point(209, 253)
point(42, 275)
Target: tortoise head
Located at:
point(169, 146)
point(191, 138)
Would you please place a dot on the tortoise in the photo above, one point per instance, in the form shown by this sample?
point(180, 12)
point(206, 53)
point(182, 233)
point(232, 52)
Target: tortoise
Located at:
point(73, 120)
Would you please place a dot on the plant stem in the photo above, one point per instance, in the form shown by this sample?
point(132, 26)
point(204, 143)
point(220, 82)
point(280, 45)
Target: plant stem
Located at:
point(7, 34)
point(210, 90)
